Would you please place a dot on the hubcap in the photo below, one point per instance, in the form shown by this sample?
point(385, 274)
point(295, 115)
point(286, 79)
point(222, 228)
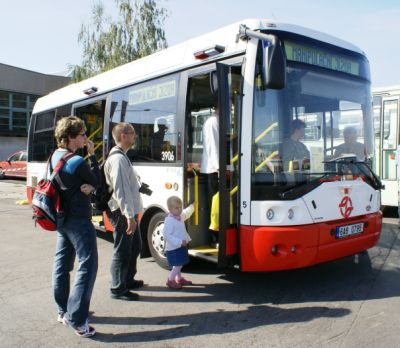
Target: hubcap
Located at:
point(157, 239)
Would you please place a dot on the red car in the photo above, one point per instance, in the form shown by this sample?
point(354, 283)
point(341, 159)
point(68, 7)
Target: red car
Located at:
point(14, 166)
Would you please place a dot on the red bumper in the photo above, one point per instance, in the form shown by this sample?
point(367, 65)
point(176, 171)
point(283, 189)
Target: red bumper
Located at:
point(288, 247)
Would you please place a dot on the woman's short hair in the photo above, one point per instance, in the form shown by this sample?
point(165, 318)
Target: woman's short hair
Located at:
point(68, 127)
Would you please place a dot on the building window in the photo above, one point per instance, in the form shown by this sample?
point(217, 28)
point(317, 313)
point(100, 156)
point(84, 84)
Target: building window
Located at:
point(15, 111)
point(4, 119)
point(4, 99)
point(19, 101)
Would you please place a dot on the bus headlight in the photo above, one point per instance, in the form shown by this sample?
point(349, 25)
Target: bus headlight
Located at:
point(290, 214)
point(270, 214)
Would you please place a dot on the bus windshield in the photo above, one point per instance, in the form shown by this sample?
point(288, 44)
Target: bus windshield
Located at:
point(301, 132)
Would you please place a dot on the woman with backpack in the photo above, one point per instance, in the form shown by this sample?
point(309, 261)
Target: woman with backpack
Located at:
point(77, 235)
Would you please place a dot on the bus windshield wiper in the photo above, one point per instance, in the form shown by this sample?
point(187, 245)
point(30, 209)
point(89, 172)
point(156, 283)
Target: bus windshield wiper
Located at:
point(362, 166)
point(305, 186)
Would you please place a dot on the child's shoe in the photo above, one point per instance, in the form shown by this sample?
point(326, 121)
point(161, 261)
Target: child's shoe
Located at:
point(172, 284)
point(184, 281)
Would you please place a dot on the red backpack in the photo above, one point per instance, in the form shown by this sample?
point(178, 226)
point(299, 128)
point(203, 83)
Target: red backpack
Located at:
point(46, 207)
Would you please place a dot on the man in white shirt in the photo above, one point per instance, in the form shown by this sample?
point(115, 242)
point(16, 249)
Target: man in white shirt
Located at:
point(210, 159)
point(124, 207)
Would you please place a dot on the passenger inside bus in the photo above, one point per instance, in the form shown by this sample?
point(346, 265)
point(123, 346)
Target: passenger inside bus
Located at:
point(210, 159)
point(351, 146)
point(295, 155)
point(157, 139)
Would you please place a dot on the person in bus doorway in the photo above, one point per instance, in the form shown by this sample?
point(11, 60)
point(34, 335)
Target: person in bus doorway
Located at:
point(351, 146)
point(176, 241)
point(77, 236)
point(157, 140)
point(210, 160)
point(293, 150)
point(124, 207)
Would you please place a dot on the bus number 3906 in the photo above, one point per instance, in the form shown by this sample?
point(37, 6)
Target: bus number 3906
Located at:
point(167, 156)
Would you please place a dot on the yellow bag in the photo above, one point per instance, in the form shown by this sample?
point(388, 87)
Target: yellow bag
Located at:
point(214, 223)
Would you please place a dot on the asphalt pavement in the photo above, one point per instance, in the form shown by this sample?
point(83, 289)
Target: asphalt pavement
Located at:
point(352, 302)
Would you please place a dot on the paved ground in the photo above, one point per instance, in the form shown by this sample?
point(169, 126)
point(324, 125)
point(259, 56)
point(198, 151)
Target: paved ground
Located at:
point(353, 302)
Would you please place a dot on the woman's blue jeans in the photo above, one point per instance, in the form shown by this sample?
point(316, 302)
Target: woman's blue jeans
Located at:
point(77, 237)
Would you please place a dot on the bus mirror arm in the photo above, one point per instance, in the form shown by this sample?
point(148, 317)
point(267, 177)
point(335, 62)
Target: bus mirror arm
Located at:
point(274, 65)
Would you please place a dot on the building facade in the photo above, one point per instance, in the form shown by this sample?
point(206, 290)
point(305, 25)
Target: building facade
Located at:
point(19, 90)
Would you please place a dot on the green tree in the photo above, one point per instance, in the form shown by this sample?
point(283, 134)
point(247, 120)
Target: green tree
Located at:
point(135, 33)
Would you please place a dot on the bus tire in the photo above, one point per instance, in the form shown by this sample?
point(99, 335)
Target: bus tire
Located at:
point(155, 239)
point(2, 173)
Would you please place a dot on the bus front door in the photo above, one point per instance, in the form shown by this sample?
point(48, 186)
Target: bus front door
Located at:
point(213, 226)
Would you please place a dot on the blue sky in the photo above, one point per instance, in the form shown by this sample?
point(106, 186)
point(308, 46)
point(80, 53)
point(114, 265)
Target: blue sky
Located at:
point(42, 35)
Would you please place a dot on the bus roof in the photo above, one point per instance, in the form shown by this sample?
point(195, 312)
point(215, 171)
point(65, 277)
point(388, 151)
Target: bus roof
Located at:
point(174, 58)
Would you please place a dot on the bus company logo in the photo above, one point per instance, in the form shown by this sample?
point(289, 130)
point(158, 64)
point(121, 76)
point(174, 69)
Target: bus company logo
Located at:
point(346, 206)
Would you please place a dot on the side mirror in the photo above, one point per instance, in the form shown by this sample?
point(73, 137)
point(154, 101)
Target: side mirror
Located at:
point(274, 75)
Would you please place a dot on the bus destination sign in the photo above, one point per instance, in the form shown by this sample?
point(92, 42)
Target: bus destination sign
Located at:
point(322, 58)
point(152, 93)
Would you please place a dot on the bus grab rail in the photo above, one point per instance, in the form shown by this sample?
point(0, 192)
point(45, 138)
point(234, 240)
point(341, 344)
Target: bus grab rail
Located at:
point(259, 137)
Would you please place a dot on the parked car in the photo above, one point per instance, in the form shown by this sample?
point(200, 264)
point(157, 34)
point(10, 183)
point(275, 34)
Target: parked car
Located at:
point(14, 166)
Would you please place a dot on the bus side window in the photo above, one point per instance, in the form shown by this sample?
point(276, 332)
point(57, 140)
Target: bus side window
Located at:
point(43, 142)
point(151, 109)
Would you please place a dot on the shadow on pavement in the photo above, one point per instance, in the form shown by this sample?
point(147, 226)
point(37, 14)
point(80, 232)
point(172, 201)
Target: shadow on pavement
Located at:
point(218, 322)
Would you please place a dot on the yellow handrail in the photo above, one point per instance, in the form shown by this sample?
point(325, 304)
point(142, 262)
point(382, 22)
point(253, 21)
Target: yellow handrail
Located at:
point(234, 158)
point(263, 163)
point(263, 134)
point(98, 145)
point(91, 135)
point(234, 190)
point(266, 131)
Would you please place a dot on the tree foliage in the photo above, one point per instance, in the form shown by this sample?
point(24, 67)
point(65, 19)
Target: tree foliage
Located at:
point(135, 33)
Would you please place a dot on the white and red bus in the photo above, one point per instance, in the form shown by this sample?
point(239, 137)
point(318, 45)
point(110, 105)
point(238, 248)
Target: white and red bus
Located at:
point(262, 75)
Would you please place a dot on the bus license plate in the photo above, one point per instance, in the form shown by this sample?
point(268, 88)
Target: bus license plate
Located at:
point(349, 230)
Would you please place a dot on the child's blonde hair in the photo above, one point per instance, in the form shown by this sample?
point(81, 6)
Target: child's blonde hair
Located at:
point(171, 201)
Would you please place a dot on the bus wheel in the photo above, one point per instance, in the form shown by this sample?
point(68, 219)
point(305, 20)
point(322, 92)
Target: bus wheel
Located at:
point(155, 239)
point(2, 175)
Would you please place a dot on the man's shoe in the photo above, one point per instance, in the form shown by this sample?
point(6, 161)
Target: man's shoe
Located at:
point(128, 296)
point(135, 284)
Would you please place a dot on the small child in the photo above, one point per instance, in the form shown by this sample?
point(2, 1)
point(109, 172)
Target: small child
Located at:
point(176, 241)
